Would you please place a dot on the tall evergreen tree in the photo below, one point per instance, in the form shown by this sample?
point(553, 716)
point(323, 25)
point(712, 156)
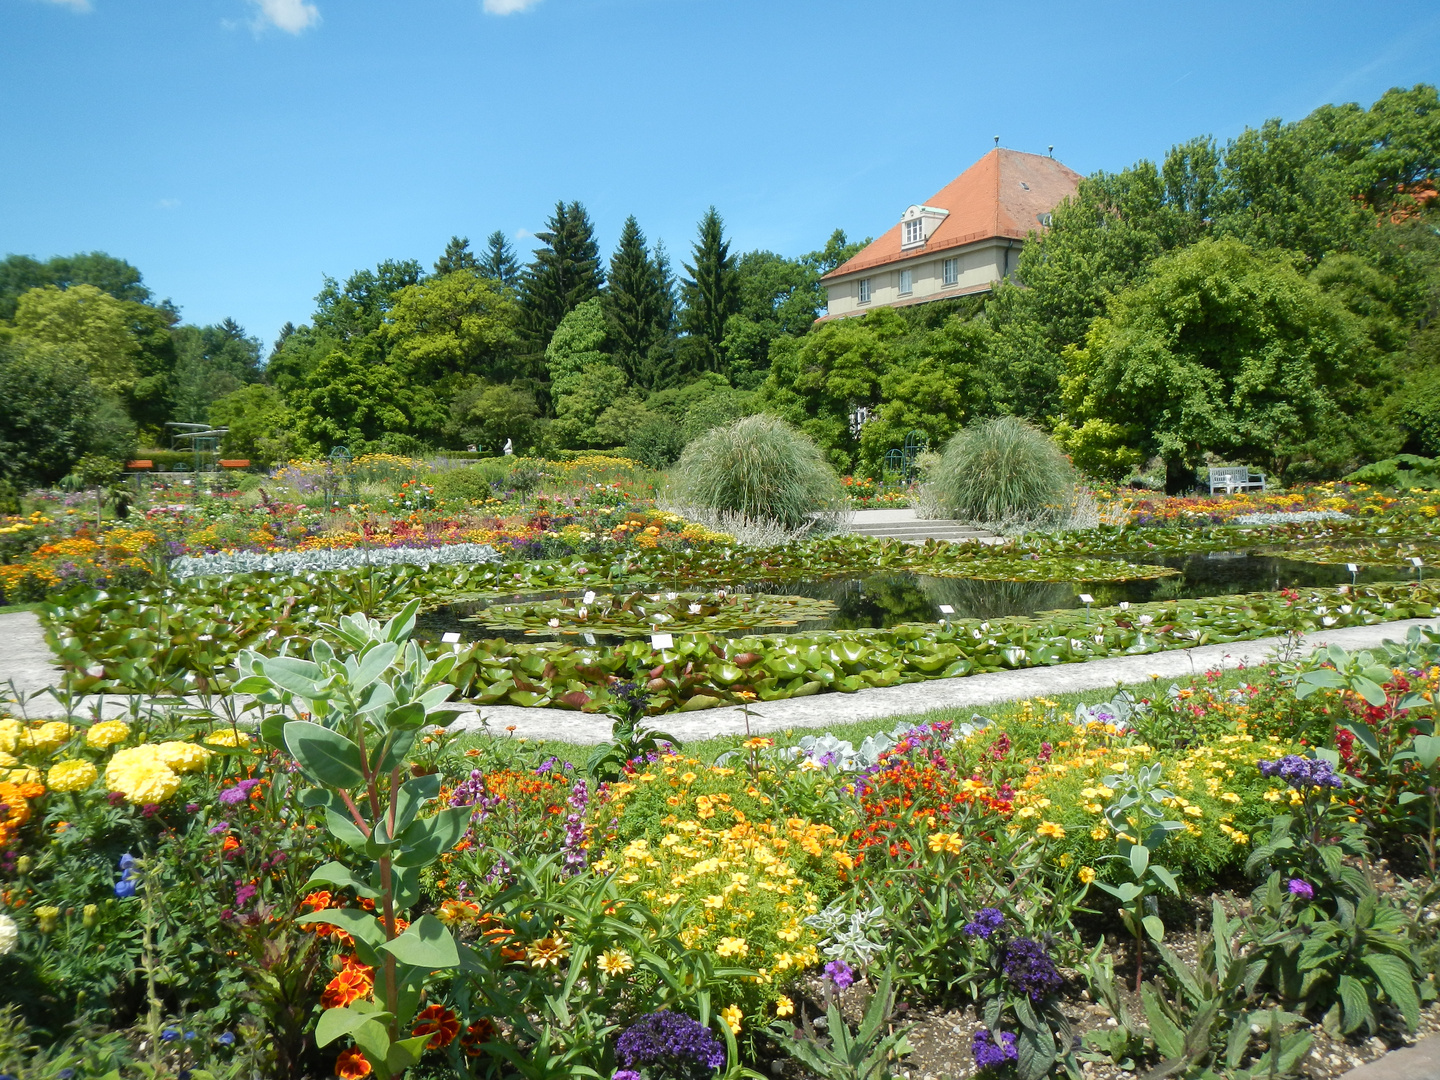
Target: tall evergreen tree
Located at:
point(637, 307)
point(565, 273)
point(712, 291)
point(499, 262)
point(458, 256)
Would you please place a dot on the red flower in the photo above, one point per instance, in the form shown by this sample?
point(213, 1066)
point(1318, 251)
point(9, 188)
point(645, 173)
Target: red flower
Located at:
point(439, 1023)
point(482, 1031)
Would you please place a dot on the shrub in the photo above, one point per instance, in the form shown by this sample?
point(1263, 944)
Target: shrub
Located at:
point(761, 468)
point(1006, 474)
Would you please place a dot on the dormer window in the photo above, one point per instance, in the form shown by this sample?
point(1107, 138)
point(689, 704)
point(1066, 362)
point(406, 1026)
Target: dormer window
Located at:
point(917, 225)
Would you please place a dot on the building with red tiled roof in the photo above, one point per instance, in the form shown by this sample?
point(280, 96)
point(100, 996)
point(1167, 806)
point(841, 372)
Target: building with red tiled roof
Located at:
point(960, 241)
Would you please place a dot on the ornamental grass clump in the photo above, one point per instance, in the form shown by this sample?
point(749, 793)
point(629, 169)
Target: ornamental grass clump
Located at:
point(1006, 475)
point(760, 469)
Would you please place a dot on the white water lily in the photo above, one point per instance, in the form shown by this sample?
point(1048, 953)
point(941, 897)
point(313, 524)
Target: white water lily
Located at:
point(694, 609)
point(554, 622)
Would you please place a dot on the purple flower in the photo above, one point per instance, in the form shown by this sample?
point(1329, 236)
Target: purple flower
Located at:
point(129, 877)
point(625, 1074)
point(989, 1053)
point(233, 796)
point(1301, 773)
point(1030, 969)
point(1301, 888)
point(244, 894)
point(670, 1039)
point(218, 828)
point(840, 973)
point(986, 922)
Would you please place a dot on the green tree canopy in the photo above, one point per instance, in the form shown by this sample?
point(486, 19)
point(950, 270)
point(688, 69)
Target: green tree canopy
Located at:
point(461, 323)
point(638, 306)
point(1225, 350)
point(564, 274)
point(457, 256)
point(48, 420)
point(499, 262)
point(711, 294)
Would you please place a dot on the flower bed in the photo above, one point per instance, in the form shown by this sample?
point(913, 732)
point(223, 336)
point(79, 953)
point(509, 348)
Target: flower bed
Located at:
point(187, 895)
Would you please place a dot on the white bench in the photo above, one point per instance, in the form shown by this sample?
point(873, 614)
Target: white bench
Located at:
point(1231, 479)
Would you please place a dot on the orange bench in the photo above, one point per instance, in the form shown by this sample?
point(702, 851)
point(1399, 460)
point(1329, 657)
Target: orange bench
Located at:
point(235, 463)
point(143, 463)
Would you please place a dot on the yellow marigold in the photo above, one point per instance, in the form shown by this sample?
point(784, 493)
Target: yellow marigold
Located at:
point(732, 1017)
point(1099, 833)
point(732, 946)
point(227, 737)
point(942, 841)
point(1051, 829)
point(50, 736)
point(784, 1006)
point(8, 761)
point(107, 733)
point(72, 776)
point(141, 775)
point(1087, 874)
point(11, 731)
point(183, 757)
point(23, 775)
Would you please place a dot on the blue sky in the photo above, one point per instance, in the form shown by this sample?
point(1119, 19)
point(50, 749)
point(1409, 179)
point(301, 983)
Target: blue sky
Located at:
point(237, 150)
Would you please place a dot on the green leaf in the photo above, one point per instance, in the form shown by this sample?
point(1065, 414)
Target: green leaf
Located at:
point(1394, 975)
point(425, 841)
point(327, 756)
point(359, 924)
point(1427, 749)
point(295, 675)
point(406, 717)
point(373, 1039)
point(1354, 1002)
point(373, 664)
point(272, 731)
point(406, 1053)
point(1167, 1035)
point(334, 873)
point(1035, 1053)
point(336, 1023)
point(426, 943)
point(1139, 861)
point(345, 830)
point(1155, 927)
point(1373, 694)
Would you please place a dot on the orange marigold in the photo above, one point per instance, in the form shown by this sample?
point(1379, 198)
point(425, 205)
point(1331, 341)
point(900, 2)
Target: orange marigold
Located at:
point(351, 1065)
point(482, 1031)
point(347, 987)
point(439, 1023)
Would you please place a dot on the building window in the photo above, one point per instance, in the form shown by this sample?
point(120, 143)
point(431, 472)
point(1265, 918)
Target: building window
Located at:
point(906, 284)
point(914, 232)
point(951, 271)
point(864, 288)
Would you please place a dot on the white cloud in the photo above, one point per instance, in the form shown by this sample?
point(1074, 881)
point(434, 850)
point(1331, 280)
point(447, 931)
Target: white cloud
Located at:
point(73, 5)
point(292, 16)
point(506, 7)
point(168, 204)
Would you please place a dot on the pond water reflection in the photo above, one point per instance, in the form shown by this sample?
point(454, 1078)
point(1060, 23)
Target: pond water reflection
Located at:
point(879, 600)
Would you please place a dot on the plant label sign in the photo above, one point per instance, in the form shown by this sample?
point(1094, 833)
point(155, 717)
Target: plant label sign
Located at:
point(662, 641)
point(589, 638)
point(450, 639)
point(588, 598)
point(1086, 598)
point(946, 609)
point(1416, 561)
point(1352, 568)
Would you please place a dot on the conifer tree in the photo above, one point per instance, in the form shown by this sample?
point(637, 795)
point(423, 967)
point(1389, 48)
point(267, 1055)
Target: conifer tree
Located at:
point(711, 293)
point(458, 256)
point(564, 274)
point(638, 306)
point(499, 262)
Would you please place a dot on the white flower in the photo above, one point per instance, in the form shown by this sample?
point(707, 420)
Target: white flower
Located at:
point(9, 934)
point(694, 609)
point(554, 622)
point(671, 595)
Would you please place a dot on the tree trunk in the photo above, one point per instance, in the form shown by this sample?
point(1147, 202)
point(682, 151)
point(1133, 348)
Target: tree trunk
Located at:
point(1179, 477)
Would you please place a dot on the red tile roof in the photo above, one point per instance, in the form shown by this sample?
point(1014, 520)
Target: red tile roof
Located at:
point(1001, 195)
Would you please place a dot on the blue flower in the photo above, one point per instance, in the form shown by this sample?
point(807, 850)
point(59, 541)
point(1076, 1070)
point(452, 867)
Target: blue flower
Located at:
point(986, 922)
point(170, 1034)
point(227, 1039)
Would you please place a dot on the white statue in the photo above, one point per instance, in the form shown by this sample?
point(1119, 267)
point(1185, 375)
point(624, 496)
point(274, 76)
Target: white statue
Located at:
point(509, 447)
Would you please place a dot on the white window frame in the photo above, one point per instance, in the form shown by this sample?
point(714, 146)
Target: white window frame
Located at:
point(912, 232)
point(907, 282)
point(950, 272)
point(862, 291)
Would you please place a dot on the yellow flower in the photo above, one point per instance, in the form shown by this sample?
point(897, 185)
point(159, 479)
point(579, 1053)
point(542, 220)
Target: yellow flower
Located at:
point(183, 757)
point(1086, 875)
point(1099, 832)
point(8, 761)
point(732, 946)
point(784, 1006)
point(615, 962)
point(757, 743)
point(547, 950)
point(72, 776)
point(49, 736)
point(943, 841)
point(732, 1017)
point(227, 737)
point(1230, 797)
point(1050, 829)
point(141, 775)
point(107, 733)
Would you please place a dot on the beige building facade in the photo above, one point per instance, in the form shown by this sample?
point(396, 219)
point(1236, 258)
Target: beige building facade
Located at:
point(959, 242)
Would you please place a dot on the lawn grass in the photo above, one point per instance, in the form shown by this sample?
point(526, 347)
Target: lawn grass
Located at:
point(6, 609)
point(709, 749)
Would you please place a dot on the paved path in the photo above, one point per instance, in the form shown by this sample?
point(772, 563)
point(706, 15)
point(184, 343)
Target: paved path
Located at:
point(25, 660)
point(1418, 1062)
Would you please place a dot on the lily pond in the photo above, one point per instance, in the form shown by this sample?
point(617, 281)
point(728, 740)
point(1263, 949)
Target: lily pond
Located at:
point(849, 602)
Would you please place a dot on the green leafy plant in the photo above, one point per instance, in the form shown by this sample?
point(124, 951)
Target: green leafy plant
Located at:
point(1005, 474)
point(761, 468)
point(366, 706)
point(1135, 814)
point(869, 1052)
